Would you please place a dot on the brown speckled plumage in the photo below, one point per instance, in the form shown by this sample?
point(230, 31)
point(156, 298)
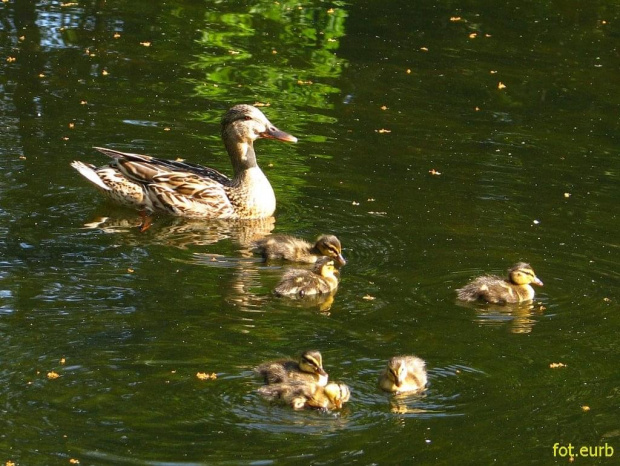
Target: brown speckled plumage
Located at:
point(403, 374)
point(299, 282)
point(308, 395)
point(309, 368)
point(497, 290)
point(293, 249)
point(189, 190)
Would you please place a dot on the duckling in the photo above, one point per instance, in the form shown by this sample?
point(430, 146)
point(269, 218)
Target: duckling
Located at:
point(493, 289)
point(403, 374)
point(301, 395)
point(298, 250)
point(320, 280)
point(308, 369)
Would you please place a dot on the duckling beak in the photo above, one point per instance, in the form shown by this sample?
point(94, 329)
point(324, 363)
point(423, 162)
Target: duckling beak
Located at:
point(274, 133)
point(537, 281)
point(341, 260)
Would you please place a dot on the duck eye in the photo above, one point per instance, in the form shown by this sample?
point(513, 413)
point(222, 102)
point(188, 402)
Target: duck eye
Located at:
point(247, 118)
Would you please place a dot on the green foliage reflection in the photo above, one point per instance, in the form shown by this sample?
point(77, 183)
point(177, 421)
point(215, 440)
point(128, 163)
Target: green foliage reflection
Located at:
point(281, 54)
point(269, 50)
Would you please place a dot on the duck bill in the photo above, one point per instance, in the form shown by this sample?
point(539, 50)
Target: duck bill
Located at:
point(537, 281)
point(323, 379)
point(274, 133)
point(340, 260)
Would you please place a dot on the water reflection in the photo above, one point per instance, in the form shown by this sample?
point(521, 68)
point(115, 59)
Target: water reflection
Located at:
point(321, 302)
point(281, 55)
point(520, 318)
point(181, 232)
point(299, 58)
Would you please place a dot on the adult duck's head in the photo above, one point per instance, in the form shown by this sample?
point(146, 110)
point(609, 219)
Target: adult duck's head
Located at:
point(245, 123)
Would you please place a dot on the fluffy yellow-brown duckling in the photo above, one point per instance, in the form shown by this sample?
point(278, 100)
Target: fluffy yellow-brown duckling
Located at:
point(320, 280)
point(493, 289)
point(403, 374)
point(301, 395)
point(309, 369)
point(298, 250)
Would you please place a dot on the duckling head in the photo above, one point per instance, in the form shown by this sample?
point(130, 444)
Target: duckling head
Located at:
point(337, 393)
point(397, 370)
point(312, 362)
point(245, 123)
point(324, 267)
point(523, 274)
point(329, 245)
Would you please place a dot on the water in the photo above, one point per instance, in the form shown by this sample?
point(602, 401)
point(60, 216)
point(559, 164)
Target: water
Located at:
point(409, 151)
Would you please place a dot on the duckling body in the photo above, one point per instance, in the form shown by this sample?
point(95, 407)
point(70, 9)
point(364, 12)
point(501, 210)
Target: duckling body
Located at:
point(497, 290)
point(320, 280)
point(285, 247)
point(309, 369)
point(404, 374)
point(191, 190)
point(301, 395)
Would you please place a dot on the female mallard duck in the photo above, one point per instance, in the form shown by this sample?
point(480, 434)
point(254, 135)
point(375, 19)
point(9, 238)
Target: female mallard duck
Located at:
point(493, 289)
point(298, 250)
point(320, 280)
point(403, 374)
point(308, 395)
point(189, 190)
point(308, 369)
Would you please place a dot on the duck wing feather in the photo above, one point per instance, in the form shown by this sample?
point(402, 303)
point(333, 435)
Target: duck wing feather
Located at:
point(180, 187)
point(142, 167)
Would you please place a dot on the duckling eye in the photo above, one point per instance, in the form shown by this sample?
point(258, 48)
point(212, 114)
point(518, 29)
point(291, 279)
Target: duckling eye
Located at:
point(311, 362)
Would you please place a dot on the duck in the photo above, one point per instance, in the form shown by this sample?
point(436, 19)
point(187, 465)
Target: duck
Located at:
point(516, 288)
point(320, 280)
point(189, 190)
point(308, 369)
point(300, 395)
point(403, 374)
point(294, 249)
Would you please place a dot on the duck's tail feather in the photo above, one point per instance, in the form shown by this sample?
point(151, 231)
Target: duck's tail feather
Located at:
point(115, 154)
point(88, 172)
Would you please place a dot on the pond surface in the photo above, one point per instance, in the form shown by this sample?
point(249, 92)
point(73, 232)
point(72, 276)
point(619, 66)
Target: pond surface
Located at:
point(438, 140)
